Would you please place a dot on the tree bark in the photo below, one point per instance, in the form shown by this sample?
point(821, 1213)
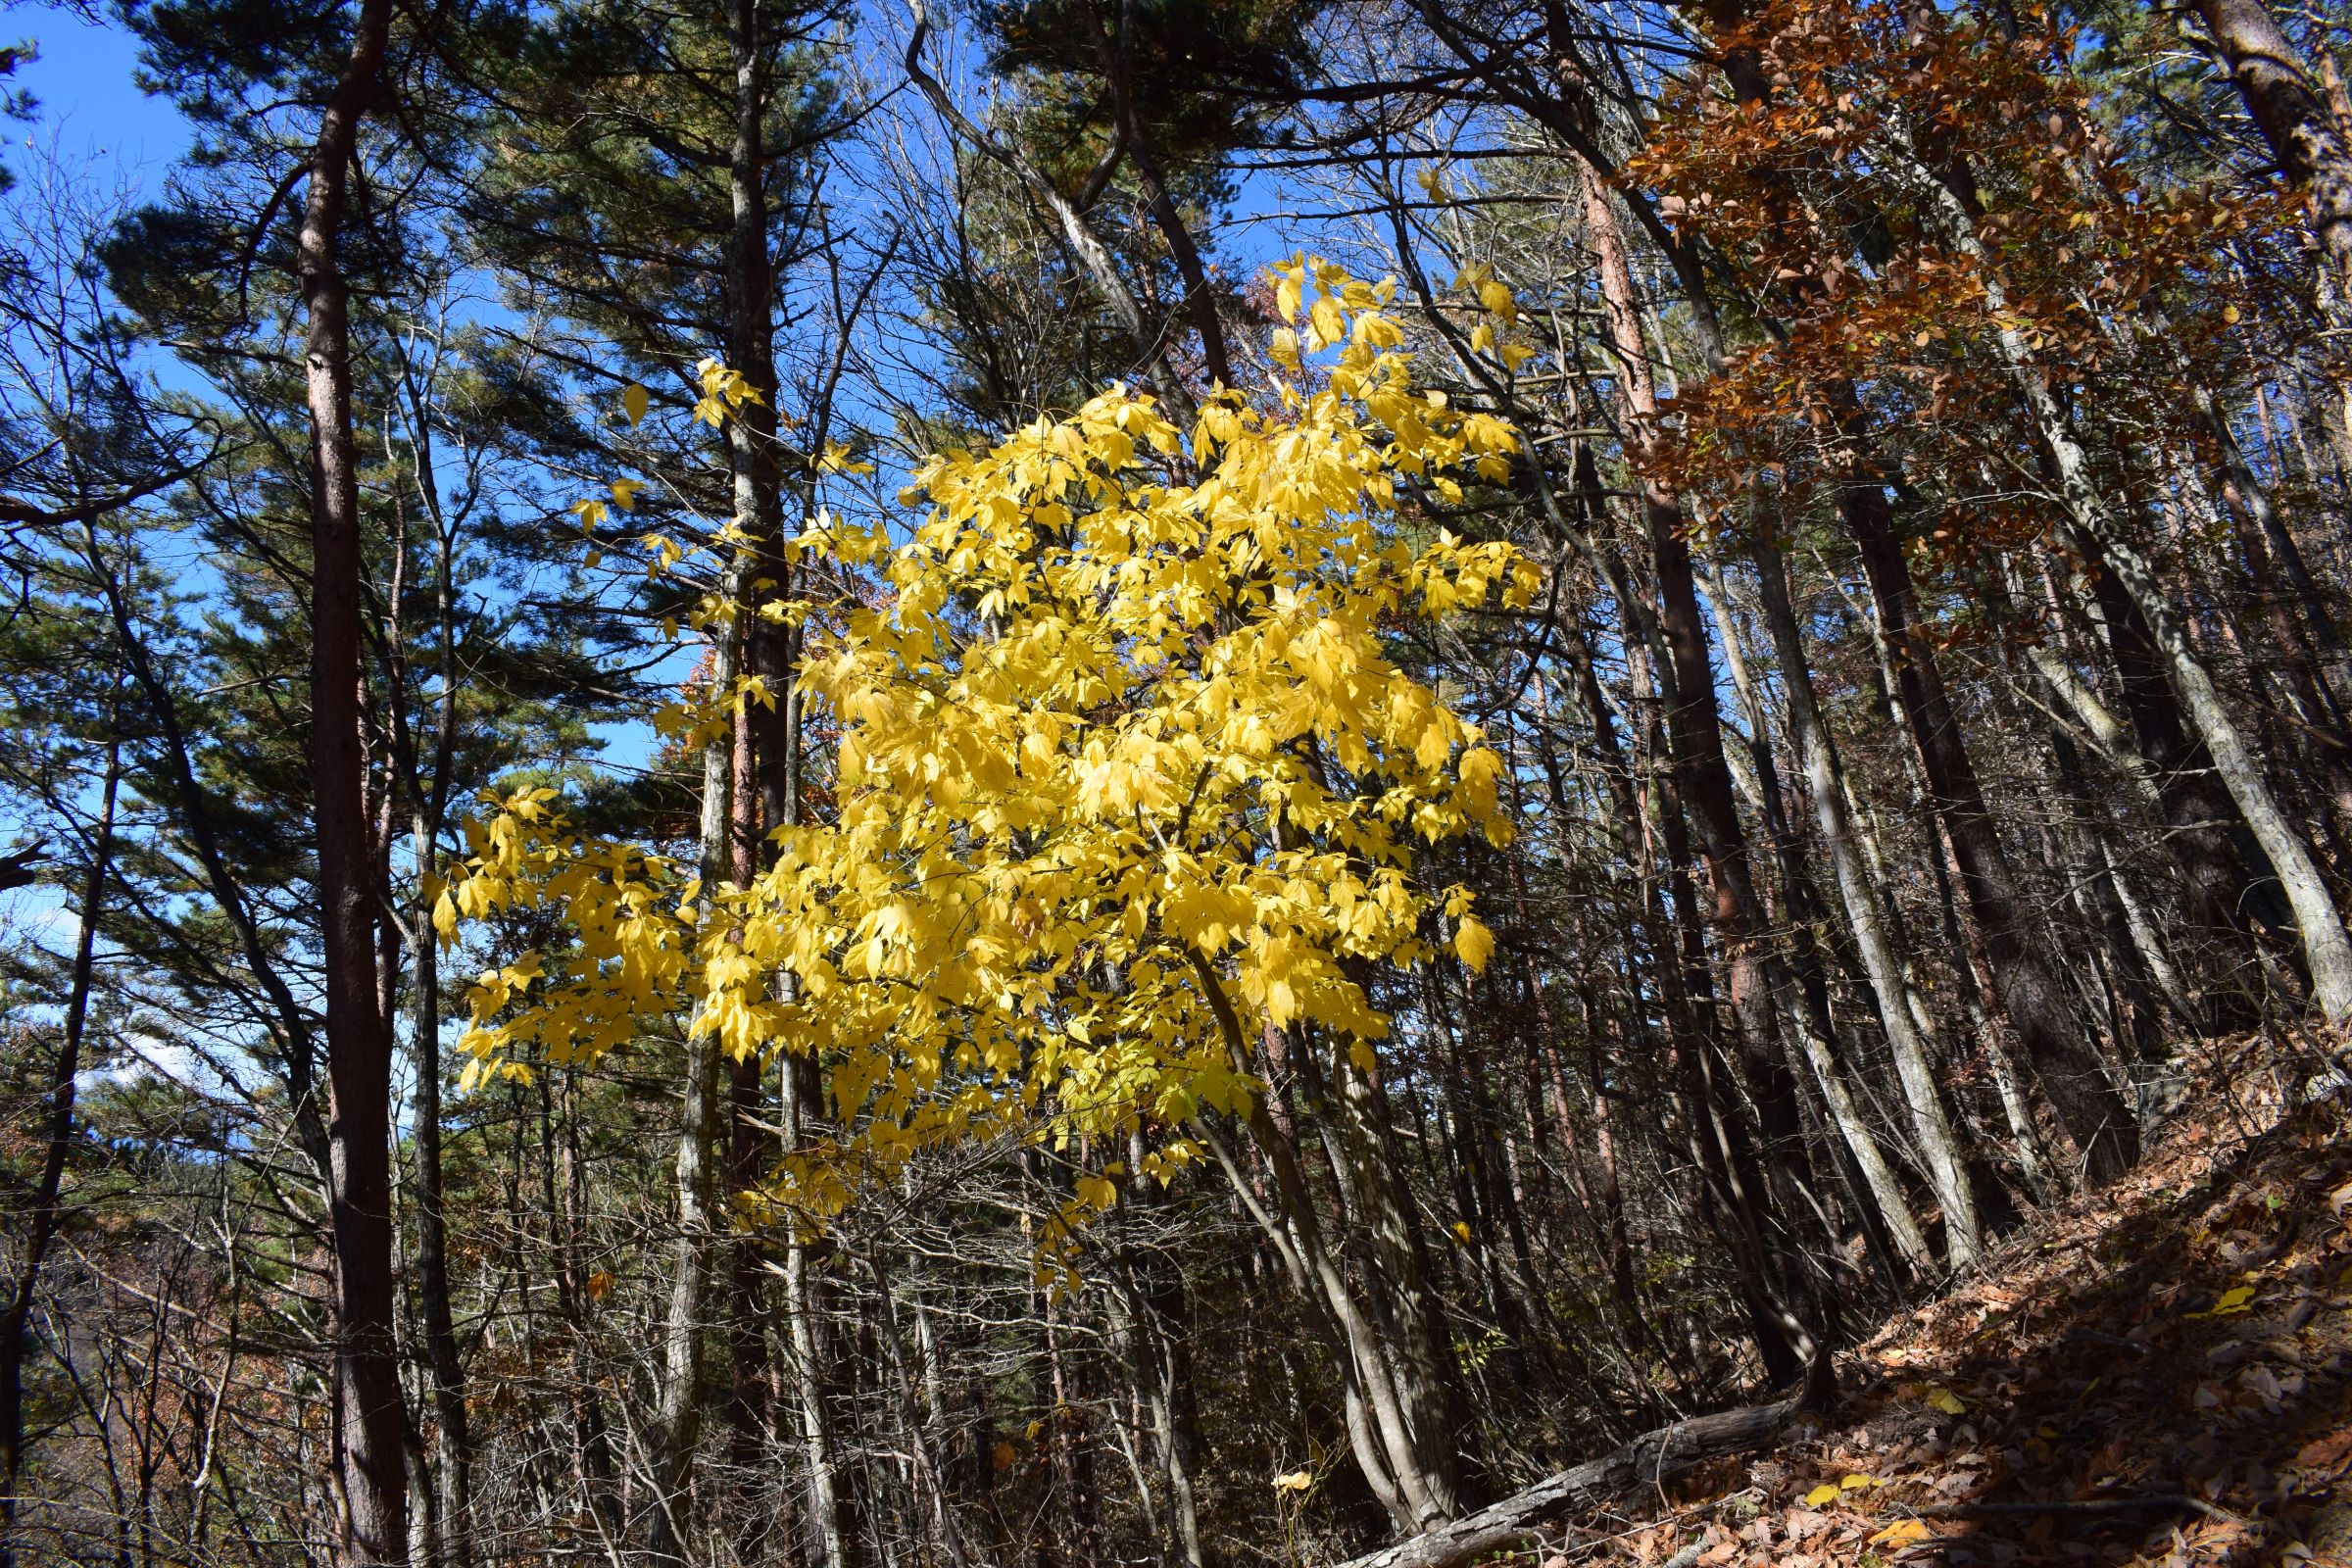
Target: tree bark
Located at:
point(1199, 298)
point(678, 1405)
point(1419, 1360)
point(1882, 963)
point(808, 1349)
point(369, 1407)
point(747, 1326)
point(1695, 730)
point(2029, 990)
point(2205, 835)
point(1162, 1354)
point(454, 1476)
point(429, 807)
point(1380, 1434)
point(2286, 103)
point(1805, 993)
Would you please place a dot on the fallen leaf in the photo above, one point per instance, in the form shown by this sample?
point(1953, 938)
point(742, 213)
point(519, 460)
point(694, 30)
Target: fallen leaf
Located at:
point(2326, 1453)
point(1801, 1524)
point(2237, 1299)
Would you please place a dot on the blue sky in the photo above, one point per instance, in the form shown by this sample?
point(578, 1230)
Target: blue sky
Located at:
point(90, 105)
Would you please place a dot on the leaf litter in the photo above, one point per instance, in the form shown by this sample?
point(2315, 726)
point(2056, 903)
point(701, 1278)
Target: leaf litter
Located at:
point(2159, 1373)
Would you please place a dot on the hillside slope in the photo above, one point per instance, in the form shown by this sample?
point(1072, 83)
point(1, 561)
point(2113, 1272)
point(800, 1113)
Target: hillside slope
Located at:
point(2160, 1373)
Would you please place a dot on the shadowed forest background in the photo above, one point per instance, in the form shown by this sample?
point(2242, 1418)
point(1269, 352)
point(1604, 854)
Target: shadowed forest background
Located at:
point(1149, 781)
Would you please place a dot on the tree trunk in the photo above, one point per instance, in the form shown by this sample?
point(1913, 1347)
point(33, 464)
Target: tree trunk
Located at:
point(747, 1324)
point(1412, 1336)
point(1200, 298)
point(373, 1528)
point(2286, 103)
point(1744, 1212)
point(807, 1350)
point(2204, 833)
point(1646, 1461)
point(2029, 990)
point(679, 1405)
point(2099, 535)
point(1806, 1012)
point(454, 1475)
point(1163, 1365)
point(1882, 963)
point(63, 1075)
point(1695, 733)
point(1380, 1435)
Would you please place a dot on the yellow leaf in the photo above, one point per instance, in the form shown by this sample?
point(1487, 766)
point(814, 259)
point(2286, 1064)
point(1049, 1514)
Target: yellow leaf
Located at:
point(634, 401)
point(1820, 1496)
point(1944, 1400)
point(836, 460)
point(2237, 1299)
point(1902, 1533)
point(1853, 1483)
point(1325, 318)
point(1286, 298)
point(1473, 942)
point(1295, 1481)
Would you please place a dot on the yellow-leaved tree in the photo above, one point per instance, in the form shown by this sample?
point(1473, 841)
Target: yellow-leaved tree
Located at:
point(1125, 775)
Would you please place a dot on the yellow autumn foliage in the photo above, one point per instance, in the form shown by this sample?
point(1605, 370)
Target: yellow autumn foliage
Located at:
point(1125, 773)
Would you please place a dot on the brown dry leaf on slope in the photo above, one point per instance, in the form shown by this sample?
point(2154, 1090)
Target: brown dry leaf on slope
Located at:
point(2160, 1374)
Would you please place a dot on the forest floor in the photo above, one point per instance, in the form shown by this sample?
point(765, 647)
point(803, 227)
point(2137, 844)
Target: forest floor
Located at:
point(2160, 1373)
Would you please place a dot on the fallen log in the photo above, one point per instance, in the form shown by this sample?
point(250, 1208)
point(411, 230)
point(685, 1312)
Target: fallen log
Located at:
point(1649, 1459)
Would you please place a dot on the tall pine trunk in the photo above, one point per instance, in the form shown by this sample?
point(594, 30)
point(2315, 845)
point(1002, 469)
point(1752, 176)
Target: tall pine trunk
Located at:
point(1701, 774)
point(369, 1420)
